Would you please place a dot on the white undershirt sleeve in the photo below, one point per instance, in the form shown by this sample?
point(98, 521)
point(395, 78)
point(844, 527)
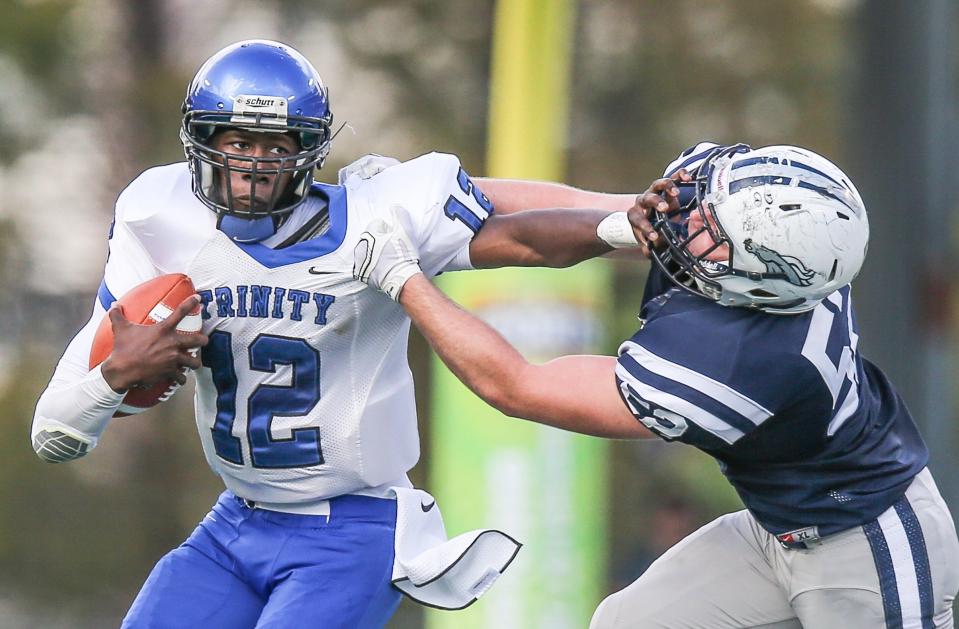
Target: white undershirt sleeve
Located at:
point(77, 404)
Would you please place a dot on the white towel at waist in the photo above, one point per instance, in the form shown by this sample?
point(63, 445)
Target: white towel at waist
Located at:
point(435, 571)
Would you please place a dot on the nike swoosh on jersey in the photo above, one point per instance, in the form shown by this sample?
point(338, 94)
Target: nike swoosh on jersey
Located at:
point(313, 271)
point(427, 508)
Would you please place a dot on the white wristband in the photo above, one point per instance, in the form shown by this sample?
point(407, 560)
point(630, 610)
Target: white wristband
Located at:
point(616, 231)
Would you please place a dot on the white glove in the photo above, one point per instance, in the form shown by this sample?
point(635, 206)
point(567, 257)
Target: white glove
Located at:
point(366, 166)
point(384, 257)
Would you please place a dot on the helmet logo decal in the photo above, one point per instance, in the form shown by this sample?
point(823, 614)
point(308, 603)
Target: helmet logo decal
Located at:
point(791, 268)
point(264, 110)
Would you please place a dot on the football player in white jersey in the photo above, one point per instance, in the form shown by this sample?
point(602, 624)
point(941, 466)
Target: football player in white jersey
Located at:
point(304, 399)
point(749, 352)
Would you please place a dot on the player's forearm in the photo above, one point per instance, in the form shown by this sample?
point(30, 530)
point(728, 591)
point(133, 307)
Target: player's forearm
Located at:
point(514, 195)
point(77, 404)
point(70, 416)
point(551, 238)
point(476, 354)
point(575, 393)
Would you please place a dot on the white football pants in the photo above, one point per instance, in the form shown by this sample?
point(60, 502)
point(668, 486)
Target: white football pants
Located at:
point(901, 570)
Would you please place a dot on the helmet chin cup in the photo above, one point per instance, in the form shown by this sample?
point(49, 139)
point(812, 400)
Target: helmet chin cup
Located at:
point(246, 230)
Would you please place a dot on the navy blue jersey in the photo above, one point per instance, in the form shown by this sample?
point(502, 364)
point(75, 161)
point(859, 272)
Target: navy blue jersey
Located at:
point(657, 283)
point(808, 432)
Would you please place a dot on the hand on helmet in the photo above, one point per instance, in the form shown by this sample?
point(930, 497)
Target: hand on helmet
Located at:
point(384, 257)
point(661, 196)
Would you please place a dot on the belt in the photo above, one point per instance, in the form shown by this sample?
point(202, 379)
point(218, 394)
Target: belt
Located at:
point(318, 507)
point(345, 506)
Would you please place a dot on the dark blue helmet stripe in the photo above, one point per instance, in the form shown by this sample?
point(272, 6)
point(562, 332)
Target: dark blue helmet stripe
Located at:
point(826, 193)
point(920, 558)
point(779, 180)
point(758, 180)
point(887, 574)
point(775, 160)
point(691, 160)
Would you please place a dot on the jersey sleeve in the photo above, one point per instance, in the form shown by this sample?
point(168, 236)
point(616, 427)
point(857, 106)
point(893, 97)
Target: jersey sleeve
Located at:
point(447, 211)
point(77, 404)
point(128, 263)
point(707, 375)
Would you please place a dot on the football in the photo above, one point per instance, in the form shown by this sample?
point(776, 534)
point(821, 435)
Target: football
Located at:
point(147, 304)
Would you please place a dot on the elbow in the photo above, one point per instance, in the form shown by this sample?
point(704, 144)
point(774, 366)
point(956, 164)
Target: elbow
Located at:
point(54, 446)
point(565, 262)
point(553, 261)
point(537, 252)
point(509, 391)
point(494, 395)
point(507, 407)
point(488, 390)
point(568, 256)
point(505, 399)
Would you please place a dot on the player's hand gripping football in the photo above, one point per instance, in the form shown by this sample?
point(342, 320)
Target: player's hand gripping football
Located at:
point(384, 257)
point(661, 196)
point(146, 354)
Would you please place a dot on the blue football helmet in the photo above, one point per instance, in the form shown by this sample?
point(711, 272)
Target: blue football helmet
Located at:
point(262, 86)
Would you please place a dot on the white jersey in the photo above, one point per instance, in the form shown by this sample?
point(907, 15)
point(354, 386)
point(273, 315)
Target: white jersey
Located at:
point(305, 391)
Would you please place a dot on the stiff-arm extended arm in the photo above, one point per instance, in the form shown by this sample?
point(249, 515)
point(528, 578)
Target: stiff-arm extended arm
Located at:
point(576, 393)
point(552, 238)
point(515, 195)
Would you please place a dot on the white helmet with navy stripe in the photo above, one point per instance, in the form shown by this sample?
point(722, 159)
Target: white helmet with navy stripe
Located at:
point(793, 224)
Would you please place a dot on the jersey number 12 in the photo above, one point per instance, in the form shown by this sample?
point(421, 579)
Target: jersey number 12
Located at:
point(267, 401)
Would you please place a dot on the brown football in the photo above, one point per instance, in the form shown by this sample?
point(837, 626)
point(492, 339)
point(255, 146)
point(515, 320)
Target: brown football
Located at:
point(146, 304)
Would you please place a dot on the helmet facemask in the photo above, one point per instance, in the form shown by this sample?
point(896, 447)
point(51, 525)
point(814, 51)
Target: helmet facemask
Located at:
point(213, 169)
point(695, 272)
point(257, 86)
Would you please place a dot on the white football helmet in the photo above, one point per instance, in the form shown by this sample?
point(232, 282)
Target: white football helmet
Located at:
point(794, 226)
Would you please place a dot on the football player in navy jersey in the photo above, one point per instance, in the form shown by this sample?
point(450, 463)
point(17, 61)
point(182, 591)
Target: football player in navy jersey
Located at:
point(304, 398)
point(748, 350)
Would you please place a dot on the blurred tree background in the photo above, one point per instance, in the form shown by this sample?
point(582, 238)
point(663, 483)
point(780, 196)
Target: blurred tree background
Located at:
point(90, 94)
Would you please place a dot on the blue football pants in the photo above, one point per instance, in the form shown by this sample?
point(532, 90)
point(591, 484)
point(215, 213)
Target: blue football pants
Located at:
point(251, 568)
